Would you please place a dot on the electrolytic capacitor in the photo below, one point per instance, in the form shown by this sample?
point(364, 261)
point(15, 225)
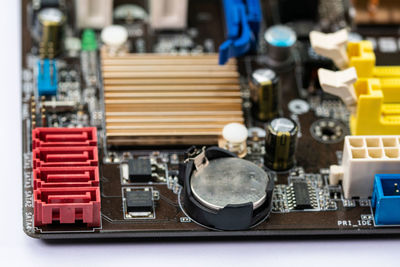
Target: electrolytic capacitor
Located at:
point(280, 144)
point(279, 39)
point(265, 94)
point(50, 22)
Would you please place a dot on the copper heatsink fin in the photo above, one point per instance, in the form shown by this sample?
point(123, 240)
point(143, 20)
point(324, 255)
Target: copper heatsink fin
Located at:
point(159, 99)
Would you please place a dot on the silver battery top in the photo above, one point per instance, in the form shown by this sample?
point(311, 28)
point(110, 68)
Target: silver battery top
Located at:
point(232, 181)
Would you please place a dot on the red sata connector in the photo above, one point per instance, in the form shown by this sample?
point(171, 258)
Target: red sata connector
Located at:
point(64, 137)
point(65, 156)
point(67, 205)
point(65, 177)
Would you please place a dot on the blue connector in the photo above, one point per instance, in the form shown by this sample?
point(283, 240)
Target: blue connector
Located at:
point(386, 199)
point(243, 19)
point(254, 16)
point(47, 77)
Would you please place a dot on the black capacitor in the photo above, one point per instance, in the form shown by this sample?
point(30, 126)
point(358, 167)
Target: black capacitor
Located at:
point(280, 144)
point(50, 31)
point(265, 94)
point(279, 40)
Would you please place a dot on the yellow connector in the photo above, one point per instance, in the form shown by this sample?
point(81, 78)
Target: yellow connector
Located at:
point(387, 72)
point(361, 56)
point(378, 107)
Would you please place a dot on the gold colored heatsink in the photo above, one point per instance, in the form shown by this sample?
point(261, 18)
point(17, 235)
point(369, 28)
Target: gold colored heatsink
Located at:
point(160, 99)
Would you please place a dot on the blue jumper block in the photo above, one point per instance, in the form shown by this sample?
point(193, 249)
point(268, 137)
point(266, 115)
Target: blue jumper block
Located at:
point(47, 77)
point(386, 199)
point(254, 15)
point(242, 19)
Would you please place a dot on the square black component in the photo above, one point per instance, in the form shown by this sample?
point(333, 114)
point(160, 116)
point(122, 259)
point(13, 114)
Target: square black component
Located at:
point(139, 201)
point(139, 170)
point(302, 196)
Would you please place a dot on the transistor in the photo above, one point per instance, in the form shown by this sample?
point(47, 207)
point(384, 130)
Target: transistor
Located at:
point(139, 201)
point(139, 170)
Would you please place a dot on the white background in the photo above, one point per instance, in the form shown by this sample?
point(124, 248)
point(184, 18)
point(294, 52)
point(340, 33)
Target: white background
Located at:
point(17, 249)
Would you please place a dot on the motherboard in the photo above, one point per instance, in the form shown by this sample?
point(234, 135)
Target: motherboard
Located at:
point(211, 118)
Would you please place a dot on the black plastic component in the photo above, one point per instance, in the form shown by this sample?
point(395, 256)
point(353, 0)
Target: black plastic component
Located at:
point(51, 3)
point(139, 170)
point(302, 196)
point(139, 201)
point(293, 10)
point(231, 217)
point(182, 171)
point(311, 63)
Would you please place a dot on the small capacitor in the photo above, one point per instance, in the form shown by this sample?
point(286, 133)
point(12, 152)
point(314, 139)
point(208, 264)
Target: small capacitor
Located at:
point(50, 22)
point(234, 137)
point(115, 38)
point(280, 144)
point(265, 95)
point(73, 46)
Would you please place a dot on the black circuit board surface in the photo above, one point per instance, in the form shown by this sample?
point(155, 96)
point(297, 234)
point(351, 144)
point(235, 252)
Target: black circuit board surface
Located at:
point(320, 208)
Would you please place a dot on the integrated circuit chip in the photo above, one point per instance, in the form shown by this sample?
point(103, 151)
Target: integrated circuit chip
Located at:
point(300, 196)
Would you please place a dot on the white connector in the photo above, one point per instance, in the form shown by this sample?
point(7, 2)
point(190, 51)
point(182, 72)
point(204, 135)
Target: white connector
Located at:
point(363, 157)
point(331, 45)
point(340, 83)
point(168, 14)
point(95, 14)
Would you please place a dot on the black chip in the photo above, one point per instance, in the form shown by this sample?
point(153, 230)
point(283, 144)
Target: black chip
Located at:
point(139, 201)
point(139, 170)
point(302, 196)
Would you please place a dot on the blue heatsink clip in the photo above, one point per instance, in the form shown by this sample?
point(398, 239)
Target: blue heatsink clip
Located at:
point(47, 77)
point(243, 19)
point(386, 199)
